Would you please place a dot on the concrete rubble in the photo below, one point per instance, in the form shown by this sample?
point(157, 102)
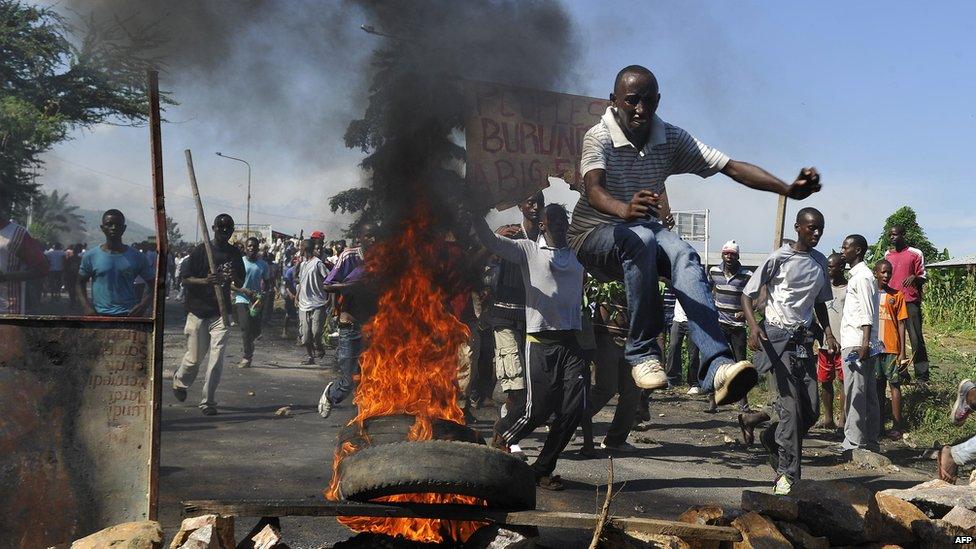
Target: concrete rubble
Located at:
point(816, 515)
point(206, 531)
point(822, 514)
point(758, 532)
point(936, 497)
point(128, 535)
point(963, 518)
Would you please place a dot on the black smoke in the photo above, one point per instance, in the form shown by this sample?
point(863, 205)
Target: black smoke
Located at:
point(426, 51)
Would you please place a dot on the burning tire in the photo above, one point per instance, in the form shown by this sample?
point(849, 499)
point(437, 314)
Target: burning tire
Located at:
point(436, 466)
point(381, 430)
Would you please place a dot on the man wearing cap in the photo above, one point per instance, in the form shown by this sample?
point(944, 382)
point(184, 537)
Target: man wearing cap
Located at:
point(617, 234)
point(727, 281)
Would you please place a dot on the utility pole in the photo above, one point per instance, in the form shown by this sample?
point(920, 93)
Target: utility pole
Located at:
point(247, 211)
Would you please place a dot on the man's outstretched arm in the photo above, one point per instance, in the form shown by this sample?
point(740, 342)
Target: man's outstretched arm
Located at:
point(754, 177)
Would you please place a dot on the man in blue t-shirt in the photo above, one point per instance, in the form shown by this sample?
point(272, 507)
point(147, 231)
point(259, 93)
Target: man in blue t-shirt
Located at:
point(249, 297)
point(113, 268)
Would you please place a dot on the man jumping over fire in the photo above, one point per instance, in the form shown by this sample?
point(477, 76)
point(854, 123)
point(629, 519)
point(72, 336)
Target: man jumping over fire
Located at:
point(617, 234)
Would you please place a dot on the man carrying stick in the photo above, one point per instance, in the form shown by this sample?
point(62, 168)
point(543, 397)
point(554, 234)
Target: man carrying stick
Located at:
point(205, 330)
point(617, 234)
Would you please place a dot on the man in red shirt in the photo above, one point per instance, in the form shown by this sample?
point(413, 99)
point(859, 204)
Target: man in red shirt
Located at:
point(21, 259)
point(908, 276)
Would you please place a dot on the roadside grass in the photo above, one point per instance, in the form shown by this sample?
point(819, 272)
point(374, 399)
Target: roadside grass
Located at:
point(952, 355)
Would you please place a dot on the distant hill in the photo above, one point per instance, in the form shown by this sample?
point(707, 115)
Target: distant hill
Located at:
point(135, 232)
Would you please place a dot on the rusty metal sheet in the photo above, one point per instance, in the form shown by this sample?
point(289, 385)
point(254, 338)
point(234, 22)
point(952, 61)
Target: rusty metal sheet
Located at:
point(76, 428)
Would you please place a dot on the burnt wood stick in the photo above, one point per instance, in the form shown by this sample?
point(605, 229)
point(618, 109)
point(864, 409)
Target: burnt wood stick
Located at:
point(552, 519)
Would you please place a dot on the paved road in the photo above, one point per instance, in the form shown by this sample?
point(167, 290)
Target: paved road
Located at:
point(245, 452)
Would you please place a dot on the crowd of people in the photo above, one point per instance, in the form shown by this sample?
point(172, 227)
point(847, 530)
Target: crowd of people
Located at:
point(542, 332)
point(621, 232)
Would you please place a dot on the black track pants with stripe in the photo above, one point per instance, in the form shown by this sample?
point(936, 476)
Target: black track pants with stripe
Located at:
point(557, 381)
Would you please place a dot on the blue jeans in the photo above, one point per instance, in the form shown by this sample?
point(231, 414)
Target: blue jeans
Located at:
point(348, 351)
point(632, 252)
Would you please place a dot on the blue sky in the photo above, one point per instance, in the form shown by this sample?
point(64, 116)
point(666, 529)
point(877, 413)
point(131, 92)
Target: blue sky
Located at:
point(878, 96)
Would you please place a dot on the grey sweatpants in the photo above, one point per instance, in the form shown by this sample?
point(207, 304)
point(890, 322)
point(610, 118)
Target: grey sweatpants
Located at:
point(797, 398)
point(863, 424)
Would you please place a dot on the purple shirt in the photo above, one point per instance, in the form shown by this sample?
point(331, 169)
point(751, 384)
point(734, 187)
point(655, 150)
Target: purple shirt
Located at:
point(349, 261)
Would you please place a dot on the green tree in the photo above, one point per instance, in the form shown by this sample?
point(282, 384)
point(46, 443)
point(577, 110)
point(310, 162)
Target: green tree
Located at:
point(914, 235)
point(54, 79)
point(53, 217)
point(174, 236)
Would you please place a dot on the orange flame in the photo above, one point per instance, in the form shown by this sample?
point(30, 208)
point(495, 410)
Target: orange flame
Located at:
point(410, 367)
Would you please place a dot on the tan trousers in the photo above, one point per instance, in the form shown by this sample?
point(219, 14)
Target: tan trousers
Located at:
point(204, 336)
point(468, 354)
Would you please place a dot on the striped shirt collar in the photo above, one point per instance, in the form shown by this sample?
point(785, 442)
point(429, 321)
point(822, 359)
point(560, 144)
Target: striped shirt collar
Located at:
point(658, 133)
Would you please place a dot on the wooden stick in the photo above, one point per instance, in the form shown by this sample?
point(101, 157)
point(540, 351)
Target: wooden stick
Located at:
point(552, 519)
point(207, 246)
point(159, 308)
point(604, 515)
point(780, 222)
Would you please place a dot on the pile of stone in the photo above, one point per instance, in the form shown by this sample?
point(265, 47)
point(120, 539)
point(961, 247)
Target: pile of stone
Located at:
point(816, 515)
point(822, 514)
point(203, 532)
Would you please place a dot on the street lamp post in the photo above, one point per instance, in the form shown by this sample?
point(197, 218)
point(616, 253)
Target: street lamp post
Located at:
point(247, 211)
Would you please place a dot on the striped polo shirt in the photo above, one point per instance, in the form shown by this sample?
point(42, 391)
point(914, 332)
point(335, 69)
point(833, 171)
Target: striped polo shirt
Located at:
point(728, 293)
point(670, 150)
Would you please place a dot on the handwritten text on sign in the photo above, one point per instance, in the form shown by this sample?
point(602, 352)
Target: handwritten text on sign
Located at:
point(516, 138)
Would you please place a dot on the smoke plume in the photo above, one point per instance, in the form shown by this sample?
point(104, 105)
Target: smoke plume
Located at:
point(255, 70)
point(428, 49)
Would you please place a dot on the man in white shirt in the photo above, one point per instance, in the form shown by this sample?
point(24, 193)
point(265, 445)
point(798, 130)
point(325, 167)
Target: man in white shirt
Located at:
point(860, 349)
point(311, 303)
point(557, 374)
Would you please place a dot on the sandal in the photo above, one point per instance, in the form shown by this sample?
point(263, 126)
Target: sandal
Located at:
point(894, 435)
point(553, 482)
point(944, 471)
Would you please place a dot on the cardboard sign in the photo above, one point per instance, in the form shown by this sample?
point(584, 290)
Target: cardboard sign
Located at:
point(517, 138)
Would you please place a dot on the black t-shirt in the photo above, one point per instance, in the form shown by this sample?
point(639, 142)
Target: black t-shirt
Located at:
point(200, 300)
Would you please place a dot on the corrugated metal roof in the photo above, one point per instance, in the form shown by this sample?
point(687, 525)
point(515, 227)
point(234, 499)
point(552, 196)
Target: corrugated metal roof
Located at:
point(960, 261)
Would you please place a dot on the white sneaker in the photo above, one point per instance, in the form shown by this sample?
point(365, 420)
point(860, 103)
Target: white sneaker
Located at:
point(649, 374)
point(733, 381)
point(783, 486)
point(325, 407)
point(694, 391)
